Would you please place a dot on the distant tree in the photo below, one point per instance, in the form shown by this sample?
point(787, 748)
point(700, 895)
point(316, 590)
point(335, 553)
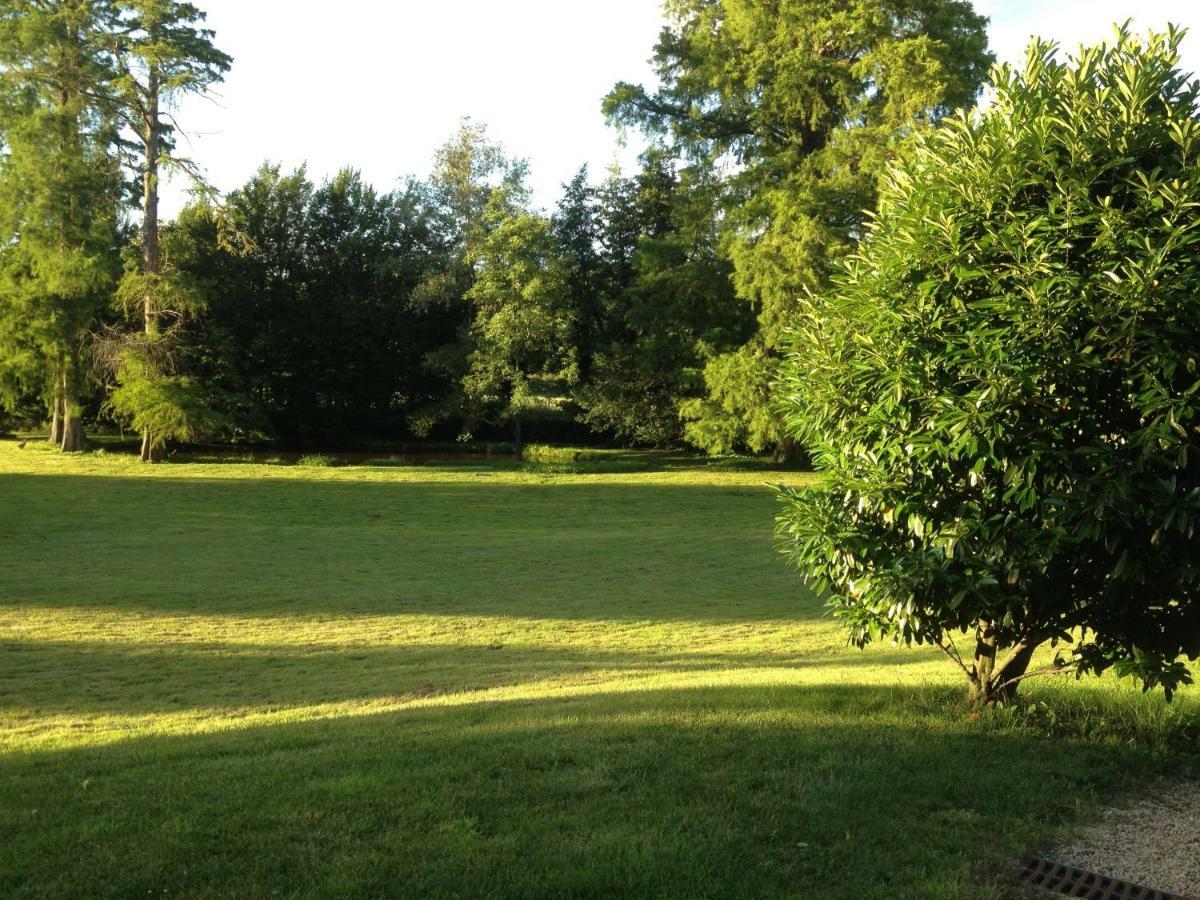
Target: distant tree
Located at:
point(153, 384)
point(666, 302)
point(1002, 390)
point(625, 392)
point(315, 327)
point(60, 195)
point(576, 226)
point(522, 316)
point(255, 334)
point(802, 102)
point(161, 52)
point(468, 170)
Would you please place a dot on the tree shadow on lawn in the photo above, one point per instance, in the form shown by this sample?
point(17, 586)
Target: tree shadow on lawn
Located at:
point(824, 791)
point(46, 678)
point(699, 553)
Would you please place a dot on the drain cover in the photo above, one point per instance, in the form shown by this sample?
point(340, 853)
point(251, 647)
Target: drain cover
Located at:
point(1072, 882)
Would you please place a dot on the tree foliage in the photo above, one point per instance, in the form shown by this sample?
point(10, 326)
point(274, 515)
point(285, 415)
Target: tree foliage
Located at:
point(1002, 389)
point(665, 301)
point(519, 333)
point(577, 229)
point(468, 171)
point(161, 51)
point(60, 194)
point(168, 407)
point(316, 327)
point(801, 103)
point(93, 82)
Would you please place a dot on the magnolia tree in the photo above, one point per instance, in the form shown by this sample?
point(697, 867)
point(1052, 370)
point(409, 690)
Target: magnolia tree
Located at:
point(1003, 390)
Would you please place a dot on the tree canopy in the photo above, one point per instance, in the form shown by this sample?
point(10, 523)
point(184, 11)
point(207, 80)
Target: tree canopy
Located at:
point(522, 316)
point(800, 103)
point(60, 198)
point(1001, 389)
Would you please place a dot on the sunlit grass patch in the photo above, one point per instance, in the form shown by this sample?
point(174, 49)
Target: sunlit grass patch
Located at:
point(239, 679)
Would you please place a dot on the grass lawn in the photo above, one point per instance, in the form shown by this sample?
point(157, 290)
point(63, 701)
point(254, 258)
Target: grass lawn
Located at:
point(249, 680)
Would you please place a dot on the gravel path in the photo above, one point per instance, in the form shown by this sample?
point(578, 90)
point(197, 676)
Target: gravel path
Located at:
point(1154, 842)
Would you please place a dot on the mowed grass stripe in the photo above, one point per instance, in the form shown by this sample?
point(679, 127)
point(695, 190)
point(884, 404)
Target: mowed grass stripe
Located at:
point(247, 680)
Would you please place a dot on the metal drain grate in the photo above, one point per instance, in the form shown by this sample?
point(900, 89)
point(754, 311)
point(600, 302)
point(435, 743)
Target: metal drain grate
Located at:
point(1072, 882)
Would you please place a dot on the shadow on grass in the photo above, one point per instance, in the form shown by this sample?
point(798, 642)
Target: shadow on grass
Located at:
point(564, 550)
point(46, 678)
point(828, 791)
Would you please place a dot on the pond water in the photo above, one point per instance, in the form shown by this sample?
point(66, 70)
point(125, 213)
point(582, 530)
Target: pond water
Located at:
point(352, 458)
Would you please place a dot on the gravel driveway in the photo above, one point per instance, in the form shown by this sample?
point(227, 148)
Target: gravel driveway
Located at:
point(1154, 842)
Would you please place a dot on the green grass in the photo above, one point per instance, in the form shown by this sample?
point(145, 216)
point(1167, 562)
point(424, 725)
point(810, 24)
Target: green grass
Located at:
point(245, 679)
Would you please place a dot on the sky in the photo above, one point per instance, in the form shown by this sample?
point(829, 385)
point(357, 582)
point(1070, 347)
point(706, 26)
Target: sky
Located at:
point(379, 85)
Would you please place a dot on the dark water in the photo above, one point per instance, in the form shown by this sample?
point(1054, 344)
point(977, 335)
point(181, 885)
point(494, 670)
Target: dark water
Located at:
point(353, 458)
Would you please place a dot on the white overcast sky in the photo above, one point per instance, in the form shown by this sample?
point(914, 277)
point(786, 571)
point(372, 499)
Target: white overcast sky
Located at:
point(380, 84)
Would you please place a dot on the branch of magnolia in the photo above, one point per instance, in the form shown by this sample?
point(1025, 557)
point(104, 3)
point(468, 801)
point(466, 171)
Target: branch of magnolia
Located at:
point(1053, 670)
point(952, 653)
point(1021, 645)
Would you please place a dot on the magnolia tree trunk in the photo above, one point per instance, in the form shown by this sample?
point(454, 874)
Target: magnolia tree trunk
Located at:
point(994, 680)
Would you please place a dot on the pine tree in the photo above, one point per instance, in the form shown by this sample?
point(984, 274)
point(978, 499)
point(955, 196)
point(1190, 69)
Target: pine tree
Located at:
point(162, 52)
point(60, 191)
point(576, 228)
point(803, 102)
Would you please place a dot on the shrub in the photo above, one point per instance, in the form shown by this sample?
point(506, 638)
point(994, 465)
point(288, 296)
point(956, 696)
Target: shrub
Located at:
point(544, 453)
point(316, 461)
point(1002, 390)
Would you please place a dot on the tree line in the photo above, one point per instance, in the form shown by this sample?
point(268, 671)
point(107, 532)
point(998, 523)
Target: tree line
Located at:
point(449, 307)
point(646, 309)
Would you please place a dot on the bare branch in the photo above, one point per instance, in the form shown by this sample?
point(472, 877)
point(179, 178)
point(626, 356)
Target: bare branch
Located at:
point(110, 344)
point(1053, 670)
point(952, 652)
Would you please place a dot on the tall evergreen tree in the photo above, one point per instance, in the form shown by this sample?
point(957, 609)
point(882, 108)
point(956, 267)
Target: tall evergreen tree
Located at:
point(576, 227)
point(162, 52)
point(666, 302)
point(803, 101)
point(60, 191)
